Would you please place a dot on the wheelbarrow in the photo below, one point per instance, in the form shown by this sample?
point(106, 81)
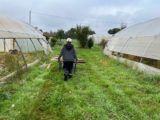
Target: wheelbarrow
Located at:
point(79, 61)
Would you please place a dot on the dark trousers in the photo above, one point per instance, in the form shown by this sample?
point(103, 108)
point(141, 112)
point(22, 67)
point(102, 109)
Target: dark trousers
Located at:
point(68, 67)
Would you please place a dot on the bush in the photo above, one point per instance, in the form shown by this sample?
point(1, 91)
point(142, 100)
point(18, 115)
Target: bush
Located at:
point(60, 42)
point(114, 31)
point(82, 33)
point(53, 41)
point(81, 36)
point(103, 43)
point(90, 43)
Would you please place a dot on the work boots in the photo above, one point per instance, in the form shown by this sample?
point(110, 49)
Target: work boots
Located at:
point(65, 77)
point(70, 76)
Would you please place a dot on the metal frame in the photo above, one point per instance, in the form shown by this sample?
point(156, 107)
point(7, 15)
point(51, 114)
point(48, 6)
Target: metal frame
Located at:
point(33, 44)
point(124, 45)
point(39, 42)
point(27, 47)
point(4, 42)
point(145, 50)
point(21, 52)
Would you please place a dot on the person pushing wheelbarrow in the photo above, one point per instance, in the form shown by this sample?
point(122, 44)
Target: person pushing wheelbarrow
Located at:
point(69, 56)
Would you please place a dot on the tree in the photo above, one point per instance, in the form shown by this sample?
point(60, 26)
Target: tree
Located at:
point(60, 34)
point(71, 33)
point(82, 33)
point(92, 32)
point(81, 36)
point(103, 43)
point(53, 41)
point(114, 31)
point(90, 43)
point(47, 35)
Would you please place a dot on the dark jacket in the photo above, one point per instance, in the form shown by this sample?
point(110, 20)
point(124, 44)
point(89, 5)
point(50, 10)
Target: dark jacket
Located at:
point(68, 53)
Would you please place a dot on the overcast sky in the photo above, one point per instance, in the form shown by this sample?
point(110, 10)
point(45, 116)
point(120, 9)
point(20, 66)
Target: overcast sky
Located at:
point(99, 14)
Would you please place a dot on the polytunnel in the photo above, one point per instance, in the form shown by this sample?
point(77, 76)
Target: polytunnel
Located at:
point(141, 40)
point(21, 36)
point(20, 44)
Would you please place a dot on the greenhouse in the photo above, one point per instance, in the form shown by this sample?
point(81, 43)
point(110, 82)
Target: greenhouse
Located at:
point(20, 44)
point(21, 36)
point(139, 42)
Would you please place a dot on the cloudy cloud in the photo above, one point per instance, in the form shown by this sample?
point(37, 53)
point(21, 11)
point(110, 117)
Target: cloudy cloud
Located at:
point(113, 11)
point(99, 14)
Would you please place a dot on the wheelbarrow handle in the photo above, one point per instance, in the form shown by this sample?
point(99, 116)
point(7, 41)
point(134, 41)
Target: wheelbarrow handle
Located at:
point(60, 65)
point(75, 67)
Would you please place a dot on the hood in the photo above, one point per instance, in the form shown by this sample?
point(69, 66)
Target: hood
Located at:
point(68, 46)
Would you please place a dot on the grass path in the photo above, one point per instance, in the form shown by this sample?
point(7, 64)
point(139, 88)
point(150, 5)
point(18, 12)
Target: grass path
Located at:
point(102, 89)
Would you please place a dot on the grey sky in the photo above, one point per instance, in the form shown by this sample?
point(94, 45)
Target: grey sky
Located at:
point(99, 14)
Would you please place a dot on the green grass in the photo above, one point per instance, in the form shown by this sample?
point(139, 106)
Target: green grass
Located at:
point(15, 62)
point(101, 89)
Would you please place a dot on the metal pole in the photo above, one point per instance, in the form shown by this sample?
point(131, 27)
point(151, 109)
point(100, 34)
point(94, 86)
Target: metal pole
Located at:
point(75, 67)
point(40, 43)
point(21, 53)
point(148, 45)
point(4, 42)
point(33, 45)
point(141, 60)
point(124, 45)
point(60, 65)
point(13, 44)
point(30, 17)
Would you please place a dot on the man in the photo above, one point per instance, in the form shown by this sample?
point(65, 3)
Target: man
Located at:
point(69, 56)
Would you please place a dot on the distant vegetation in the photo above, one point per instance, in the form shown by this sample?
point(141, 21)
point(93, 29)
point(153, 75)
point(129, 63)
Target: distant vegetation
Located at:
point(83, 33)
point(80, 33)
point(90, 42)
point(53, 41)
point(103, 43)
point(113, 31)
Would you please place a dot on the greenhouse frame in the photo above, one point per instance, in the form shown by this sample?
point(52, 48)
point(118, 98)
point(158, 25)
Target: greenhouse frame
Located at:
point(21, 37)
point(139, 41)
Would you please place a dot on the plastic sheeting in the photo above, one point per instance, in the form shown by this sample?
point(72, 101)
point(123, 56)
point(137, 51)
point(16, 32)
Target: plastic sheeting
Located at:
point(1, 45)
point(141, 40)
point(28, 45)
point(6, 45)
point(28, 38)
point(10, 28)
